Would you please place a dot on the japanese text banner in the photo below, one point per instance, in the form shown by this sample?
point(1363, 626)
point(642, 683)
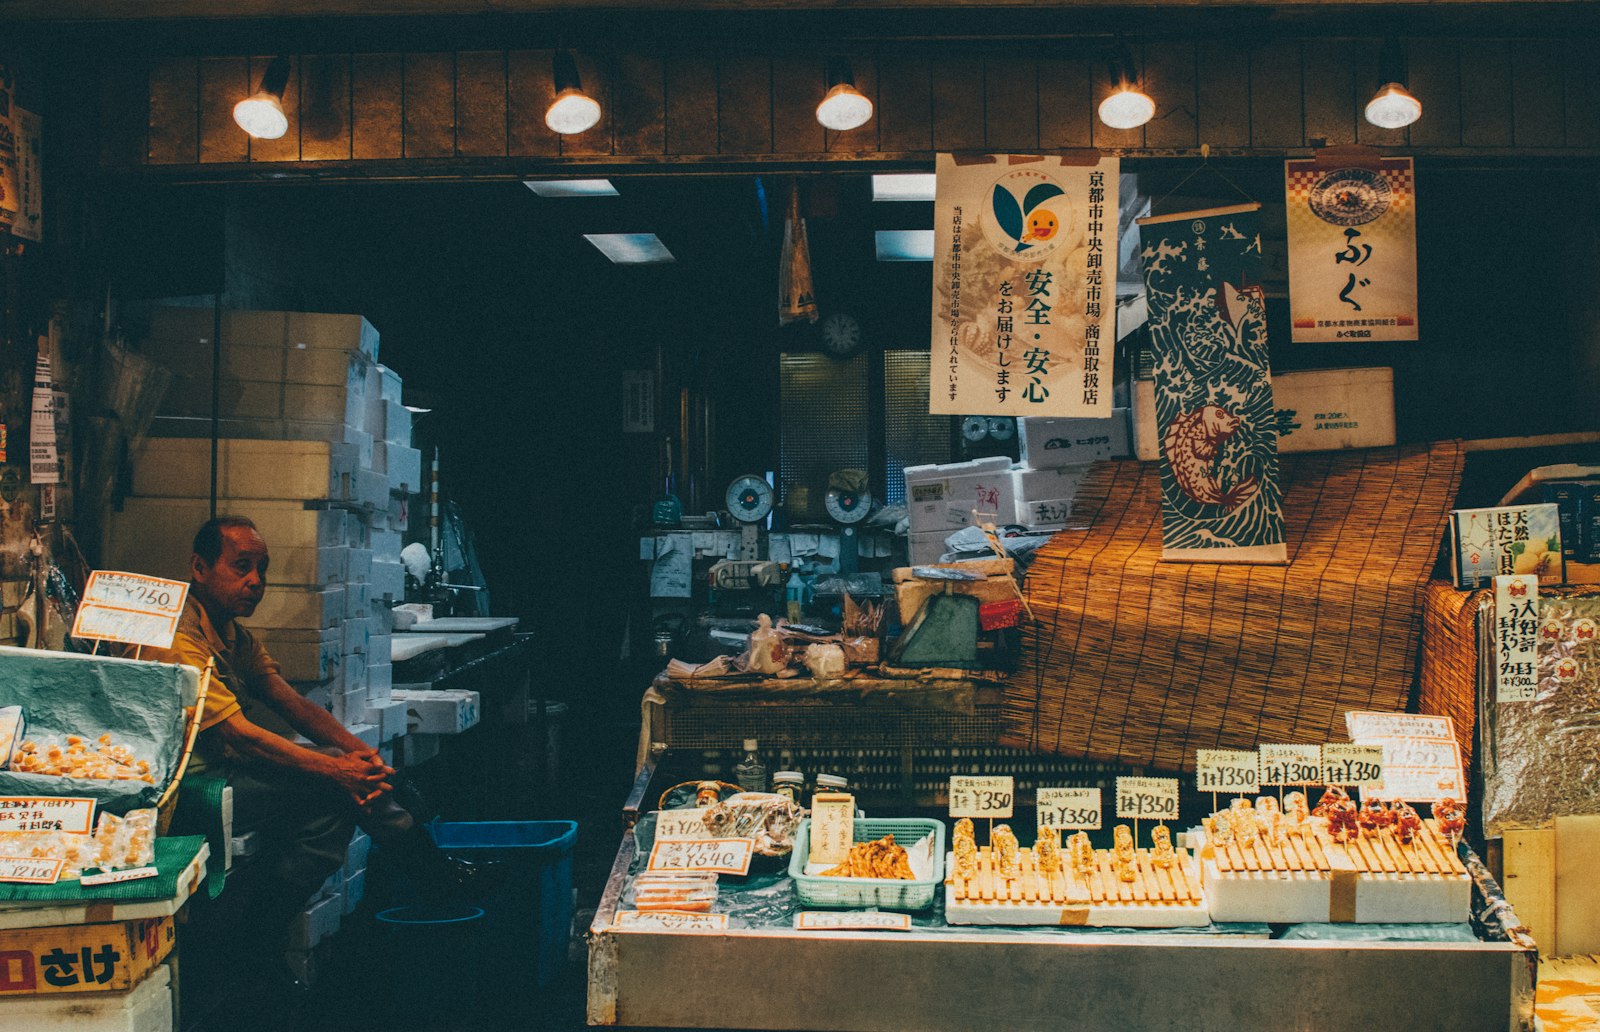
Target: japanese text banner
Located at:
point(1352, 251)
point(1024, 286)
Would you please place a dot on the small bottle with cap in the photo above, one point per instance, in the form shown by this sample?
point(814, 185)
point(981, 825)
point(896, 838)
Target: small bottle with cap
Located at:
point(790, 783)
point(750, 772)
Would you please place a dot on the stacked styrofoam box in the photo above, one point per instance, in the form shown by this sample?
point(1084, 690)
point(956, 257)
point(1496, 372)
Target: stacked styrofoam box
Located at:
point(1044, 496)
point(942, 499)
point(1056, 454)
point(147, 1007)
point(315, 444)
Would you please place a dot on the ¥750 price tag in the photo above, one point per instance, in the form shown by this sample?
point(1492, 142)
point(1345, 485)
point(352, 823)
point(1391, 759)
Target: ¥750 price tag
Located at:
point(1347, 764)
point(974, 796)
point(1147, 798)
point(1069, 808)
point(716, 856)
point(1229, 771)
point(1291, 765)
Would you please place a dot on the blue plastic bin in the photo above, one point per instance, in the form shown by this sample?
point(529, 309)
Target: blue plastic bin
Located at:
point(535, 902)
point(429, 956)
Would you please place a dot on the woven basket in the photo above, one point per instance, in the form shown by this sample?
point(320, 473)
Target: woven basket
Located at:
point(1137, 661)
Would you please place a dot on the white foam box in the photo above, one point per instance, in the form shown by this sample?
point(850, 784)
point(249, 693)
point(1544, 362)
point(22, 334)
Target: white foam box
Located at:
point(358, 532)
point(147, 1007)
point(357, 596)
point(362, 442)
point(380, 676)
point(1036, 484)
point(438, 713)
point(354, 636)
point(399, 514)
point(1047, 442)
point(392, 383)
point(926, 549)
point(392, 718)
point(245, 846)
point(386, 544)
point(315, 923)
point(355, 673)
point(418, 748)
point(304, 654)
point(945, 497)
point(1324, 410)
point(355, 890)
point(156, 535)
point(359, 567)
point(355, 854)
point(396, 423)
point(388, 580)
point(1045, 513)
point(309, 608)
point(283, 470)
point(369, 488)
point(405, 469)
point(350, 707)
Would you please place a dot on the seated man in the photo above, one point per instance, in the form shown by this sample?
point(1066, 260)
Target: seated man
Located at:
point(307, 799)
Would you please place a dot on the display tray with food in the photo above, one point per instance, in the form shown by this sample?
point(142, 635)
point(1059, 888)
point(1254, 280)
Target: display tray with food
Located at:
point(1122, 887)
point(895, 863)
point(1339, 863)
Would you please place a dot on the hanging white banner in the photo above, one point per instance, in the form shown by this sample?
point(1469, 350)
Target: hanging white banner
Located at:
point(43, 461)
point(1024, 286)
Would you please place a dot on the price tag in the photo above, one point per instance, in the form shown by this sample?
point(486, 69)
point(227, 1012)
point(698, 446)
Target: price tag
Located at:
point(46, 813)
point(712, 856)
point(1147, 798)
point(833, 827)
point(113, 877)
point(1291, 765)
point(30, 871)
point(1368, 726)
point(1228, 771)
point(1516, 638)
point(682, 824)
point(1346, 764)
point(130, 608)
point(975, 796)
point(1069, 808)
point(669, 921)
point(1420, 770)
point(860, 920)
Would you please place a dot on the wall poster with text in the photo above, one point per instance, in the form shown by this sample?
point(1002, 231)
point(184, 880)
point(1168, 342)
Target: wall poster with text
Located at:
point(1024, 286)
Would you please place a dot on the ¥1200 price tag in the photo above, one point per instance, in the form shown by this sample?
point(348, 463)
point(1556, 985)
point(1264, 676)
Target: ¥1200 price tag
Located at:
point(1357, 765)
point(1069, 808)
point(981, 796)
point(711, 856)
point(1291, 765)
point(30, 871)
point(669, 921)
point(1228, 771)
point(827, 921)
point(1147, 798)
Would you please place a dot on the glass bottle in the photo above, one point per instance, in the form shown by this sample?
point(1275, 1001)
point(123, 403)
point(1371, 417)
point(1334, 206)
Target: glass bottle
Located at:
point(790, 783)
point(750, 772)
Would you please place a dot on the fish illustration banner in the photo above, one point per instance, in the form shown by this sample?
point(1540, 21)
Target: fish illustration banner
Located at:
point(1352, 251)
point(1024, 286)
point(1221, 500)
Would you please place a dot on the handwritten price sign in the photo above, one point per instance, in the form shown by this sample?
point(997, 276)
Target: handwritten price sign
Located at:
point(669, 921)
point(29, 871)
point(827, 921)
point(130, 608)
point(1291, 765)
point(1358, 765)
point(973, 796)
point(1229, 771)
point(833, 827)
point(682, 824)
point(1069, 808)
point(1147, 798)
point(714, 856)
point(73, 814)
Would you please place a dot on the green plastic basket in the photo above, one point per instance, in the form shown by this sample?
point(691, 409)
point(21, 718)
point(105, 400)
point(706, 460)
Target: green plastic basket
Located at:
point(891, 894)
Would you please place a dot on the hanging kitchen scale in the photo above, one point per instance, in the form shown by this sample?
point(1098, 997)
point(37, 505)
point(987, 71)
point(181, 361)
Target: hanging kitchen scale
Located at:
point(848, 506)
point(749, 500)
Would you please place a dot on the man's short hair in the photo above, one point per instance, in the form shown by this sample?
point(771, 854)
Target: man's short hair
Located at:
point(208, 539)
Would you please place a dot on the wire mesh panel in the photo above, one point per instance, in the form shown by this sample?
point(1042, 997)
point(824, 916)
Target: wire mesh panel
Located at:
point(823, 429)
point(913, 437)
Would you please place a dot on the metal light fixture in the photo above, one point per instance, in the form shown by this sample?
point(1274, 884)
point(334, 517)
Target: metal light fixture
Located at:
point(1128, 107)
point(573, 111)
point(845, 107)
point(1393, 106)
point(261, 114)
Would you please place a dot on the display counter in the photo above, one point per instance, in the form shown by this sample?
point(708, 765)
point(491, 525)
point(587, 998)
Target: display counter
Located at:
point(761, 973)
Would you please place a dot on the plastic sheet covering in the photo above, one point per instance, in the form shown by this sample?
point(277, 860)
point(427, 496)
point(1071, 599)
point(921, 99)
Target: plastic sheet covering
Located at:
point(1542, 758)
point(1461, 932)
point(139, 703)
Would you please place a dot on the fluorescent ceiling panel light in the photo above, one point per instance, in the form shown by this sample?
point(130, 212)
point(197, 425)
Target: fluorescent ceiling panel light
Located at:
point(905, 245)
point(638, 248)
point(903, 186)
point(571, 187)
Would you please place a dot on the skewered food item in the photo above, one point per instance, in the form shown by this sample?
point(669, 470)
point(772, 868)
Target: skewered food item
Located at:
point(1124, 857)
point(1375, 817)
point(879, 859)
point(1295, 813)
point(1407, 824)
point(1452, 817)
point(1047, 851)
point(1007, 855)
point(1082, 851)
point(1269, 825)
point(1343, 823)
point(1244, 822)
point(1267, 804)
point(1161, 853)
point(1220, 827)
point(965, 846)
point(1330, 799)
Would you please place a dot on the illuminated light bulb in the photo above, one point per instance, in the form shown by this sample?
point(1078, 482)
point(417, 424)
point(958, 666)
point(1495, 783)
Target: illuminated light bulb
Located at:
point(1393, 107)
point(261, 116)
point(844, 108)
point(1127, 108)
point(573, 111)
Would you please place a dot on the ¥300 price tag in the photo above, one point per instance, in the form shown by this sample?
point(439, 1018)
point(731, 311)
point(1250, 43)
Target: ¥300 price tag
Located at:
point(712, 856)
point(1291, 765)
point(1357, 765)
point(1069, 808)
point(974, 796)
point(1153, 799)
point(1227, 771)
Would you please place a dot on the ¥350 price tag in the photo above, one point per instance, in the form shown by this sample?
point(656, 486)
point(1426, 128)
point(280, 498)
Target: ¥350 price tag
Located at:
point(1147, 798)
point(1291, 765)
point(1069, 808)
point(1227, 771)
point(1357, 765)
point(974, 796)
point(714, 856)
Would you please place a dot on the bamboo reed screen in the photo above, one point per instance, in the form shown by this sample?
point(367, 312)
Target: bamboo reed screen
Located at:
point(1454, 658)
point(1142, 662)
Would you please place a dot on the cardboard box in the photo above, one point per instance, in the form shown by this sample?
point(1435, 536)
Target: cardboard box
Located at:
point(1323, 409)
point(148, 1007)
point(299, 330)
point(308, 608)
point(1052, 443)
point(438, 713)
point(246, 469)
point(156, 535)
point(255, 429)
point(111, 957)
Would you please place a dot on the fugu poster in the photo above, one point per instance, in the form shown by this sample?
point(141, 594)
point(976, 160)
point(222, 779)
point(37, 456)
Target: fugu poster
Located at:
point(1221, 500)
point(1024, 286)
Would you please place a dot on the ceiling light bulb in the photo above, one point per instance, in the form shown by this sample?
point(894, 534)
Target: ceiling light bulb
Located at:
point(1393, 107)
point(574, 111)
point(1127, 108)
point(261, 115)
point(844, 108)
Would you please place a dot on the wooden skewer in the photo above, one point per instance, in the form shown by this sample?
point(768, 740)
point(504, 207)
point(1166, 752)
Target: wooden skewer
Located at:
point(985, 874)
